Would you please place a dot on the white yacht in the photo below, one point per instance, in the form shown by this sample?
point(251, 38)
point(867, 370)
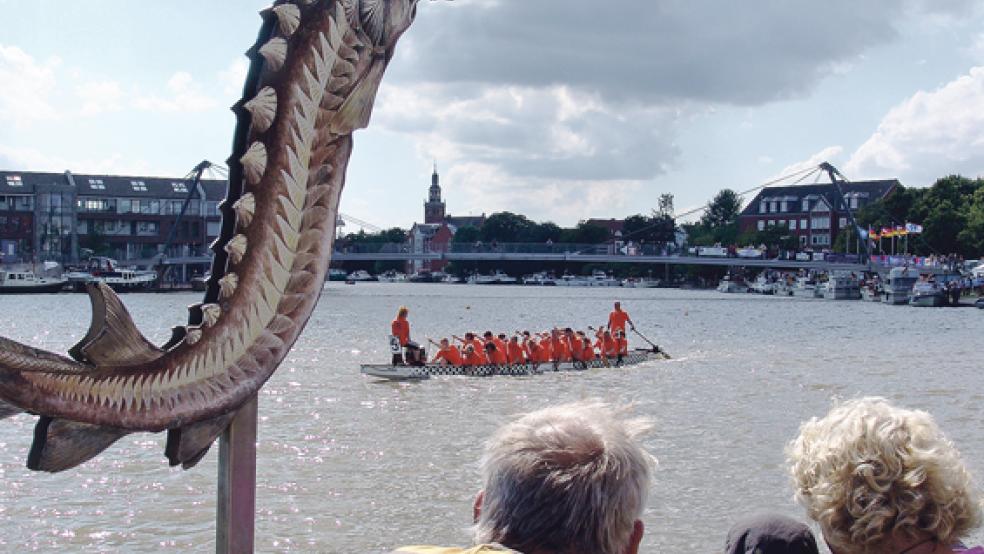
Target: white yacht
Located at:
point(497, 278)
point(732, 285)
point(599, 278)
point(898, 287)
point(641, 283)
point(108, 271)
point(541, 279)
point(842, 286)
point(927, 292)
point(763, 285)
point(807, 287)
point(360, 276)
point(392, 276)
point(14, 282)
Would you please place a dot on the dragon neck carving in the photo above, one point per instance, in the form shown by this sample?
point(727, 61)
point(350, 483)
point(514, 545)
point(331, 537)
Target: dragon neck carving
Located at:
point(315, 70)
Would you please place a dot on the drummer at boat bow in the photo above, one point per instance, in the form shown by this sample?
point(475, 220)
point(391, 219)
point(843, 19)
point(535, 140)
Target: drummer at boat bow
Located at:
point(618, 318)
point(400, 329)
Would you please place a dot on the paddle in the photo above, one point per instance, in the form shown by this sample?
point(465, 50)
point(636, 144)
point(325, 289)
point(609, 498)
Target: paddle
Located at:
point(656, 348)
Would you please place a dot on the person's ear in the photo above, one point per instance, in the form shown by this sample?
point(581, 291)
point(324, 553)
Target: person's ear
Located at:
point(477, 507)
point(638, 529)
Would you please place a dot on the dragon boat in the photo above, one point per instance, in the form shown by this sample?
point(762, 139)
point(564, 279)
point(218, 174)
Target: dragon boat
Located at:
point(412, 372)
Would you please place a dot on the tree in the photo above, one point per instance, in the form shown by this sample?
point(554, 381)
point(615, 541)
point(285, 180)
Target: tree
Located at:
point(467, 235)
point(507, 227)
point(722, 211)
point(585, 233)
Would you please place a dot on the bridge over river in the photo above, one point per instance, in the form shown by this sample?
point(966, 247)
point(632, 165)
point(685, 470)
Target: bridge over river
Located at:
point(581, 253)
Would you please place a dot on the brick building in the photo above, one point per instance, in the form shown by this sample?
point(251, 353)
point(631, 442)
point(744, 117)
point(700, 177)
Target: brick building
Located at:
point(812, 212)
point(437, 230)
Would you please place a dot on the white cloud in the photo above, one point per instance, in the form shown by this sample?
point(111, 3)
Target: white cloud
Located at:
point(829, 154)
point(33, 159)
point(100, 97)
point(185, 95)
point(930, 135)
point(232, 78)
point(25, 87)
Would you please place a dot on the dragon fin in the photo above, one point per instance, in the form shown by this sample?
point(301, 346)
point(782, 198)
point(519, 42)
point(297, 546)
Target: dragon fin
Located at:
point(6, 410)
point(112, 338)
point(355, 112)
point(188, 445)
point(60, 444)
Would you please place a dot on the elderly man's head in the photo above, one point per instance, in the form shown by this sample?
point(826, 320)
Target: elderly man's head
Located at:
point(569, 479)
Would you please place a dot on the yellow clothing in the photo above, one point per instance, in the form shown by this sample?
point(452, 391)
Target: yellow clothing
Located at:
point(480, 549)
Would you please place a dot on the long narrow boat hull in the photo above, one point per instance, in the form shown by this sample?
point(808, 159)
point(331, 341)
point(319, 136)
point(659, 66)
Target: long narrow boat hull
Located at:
point(404, 372)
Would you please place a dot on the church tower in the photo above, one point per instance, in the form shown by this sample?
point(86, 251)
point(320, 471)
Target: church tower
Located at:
point(434, 206)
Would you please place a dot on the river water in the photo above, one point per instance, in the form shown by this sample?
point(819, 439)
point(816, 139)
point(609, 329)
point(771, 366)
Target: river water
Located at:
point(346, 464)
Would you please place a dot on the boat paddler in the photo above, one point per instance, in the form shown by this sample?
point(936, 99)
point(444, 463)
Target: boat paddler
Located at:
point(448, 354)
point(515, 352)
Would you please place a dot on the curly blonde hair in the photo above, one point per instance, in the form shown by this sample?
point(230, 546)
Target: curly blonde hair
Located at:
point(869, 472)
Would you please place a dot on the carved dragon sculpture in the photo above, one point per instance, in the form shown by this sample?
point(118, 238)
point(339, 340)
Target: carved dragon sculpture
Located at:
point(315, 70)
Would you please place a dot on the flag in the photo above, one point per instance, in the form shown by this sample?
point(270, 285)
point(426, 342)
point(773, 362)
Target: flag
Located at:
point(913, 228)
point(887, 232)
point(873, 234)
point(900, 231)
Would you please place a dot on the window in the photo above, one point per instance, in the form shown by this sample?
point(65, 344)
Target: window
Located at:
point(211, 208)
point(772, 223)
point(179, 187)
point(97, 184)
point(803, 224)
point(138, 186)
point(14, 181)
point(822, 222)
point(775, 206)
point(763, 207)
point(853, 202)
point(784, 206)
point(761, 225)
point(843, 222)
point(820, 240)
point(806, 204)
point(792, 224)
point(802, 240)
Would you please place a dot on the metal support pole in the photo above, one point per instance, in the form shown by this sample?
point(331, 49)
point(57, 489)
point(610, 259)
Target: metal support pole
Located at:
point(236, 509)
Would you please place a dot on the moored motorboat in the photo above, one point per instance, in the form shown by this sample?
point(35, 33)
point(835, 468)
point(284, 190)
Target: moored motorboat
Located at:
point(927, 293)
point(898, 287)
point(842, 286)
point(24, 282)
point(807, 287)
point(108, 271)
point(497, 278)
point(404, 372)
point(392, 276)
point(360, 276)
point(732, 285)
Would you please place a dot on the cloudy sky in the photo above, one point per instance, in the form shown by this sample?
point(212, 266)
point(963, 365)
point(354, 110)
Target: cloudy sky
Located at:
point(557, 109)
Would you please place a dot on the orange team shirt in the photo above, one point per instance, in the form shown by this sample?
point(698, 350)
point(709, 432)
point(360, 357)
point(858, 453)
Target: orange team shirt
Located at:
point(622, 345)
point(588, 353)
point(499, 344)
point(607, 346)
point(401, 330)
point(515, 352)
point(546, 350)
point(499, 357)
point(473, 358)
point(561, 351)
point(450, 355)
point(479, 345)
point(576, 348)
point(617, 319)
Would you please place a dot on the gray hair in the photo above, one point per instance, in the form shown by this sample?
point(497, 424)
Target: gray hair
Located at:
point(569, 478)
